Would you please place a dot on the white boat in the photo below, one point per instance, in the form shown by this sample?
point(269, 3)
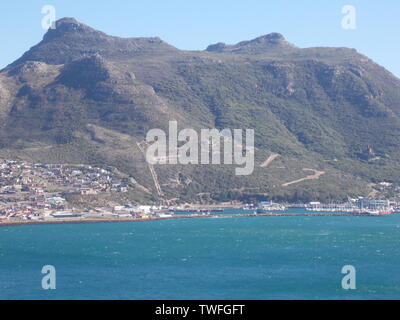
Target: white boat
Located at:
point(267, 206)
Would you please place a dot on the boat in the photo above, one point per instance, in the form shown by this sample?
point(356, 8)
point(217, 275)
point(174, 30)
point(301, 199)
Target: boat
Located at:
point(268, 206)
point(371, 212)
point(66, 215)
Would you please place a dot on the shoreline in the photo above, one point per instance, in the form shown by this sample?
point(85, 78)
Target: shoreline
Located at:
point(192, 216)
point(76, 221)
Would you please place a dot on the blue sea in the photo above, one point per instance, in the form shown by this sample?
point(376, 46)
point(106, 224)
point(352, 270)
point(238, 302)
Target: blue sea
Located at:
point(204, 258)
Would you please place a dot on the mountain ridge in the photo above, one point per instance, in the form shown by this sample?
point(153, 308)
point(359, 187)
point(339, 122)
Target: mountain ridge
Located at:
point(78, 94)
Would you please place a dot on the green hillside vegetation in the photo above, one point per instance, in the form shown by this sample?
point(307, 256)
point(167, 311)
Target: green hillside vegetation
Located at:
point(81, 96)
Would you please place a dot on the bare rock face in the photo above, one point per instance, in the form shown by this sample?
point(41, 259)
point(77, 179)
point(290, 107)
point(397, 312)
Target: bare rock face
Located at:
point(218, 47)
point(90, 70)
point(67, 26)
point(105, 81)
point(33, 71)
point(270, 43)
point(29, 68)
point(4, 94)
point(6, 97)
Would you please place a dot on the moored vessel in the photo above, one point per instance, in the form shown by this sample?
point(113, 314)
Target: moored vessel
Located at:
point(268, 206)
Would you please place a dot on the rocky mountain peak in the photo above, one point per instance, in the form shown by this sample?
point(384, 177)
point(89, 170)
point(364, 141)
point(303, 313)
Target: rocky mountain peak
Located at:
point(273, 37)
point(67, 26)
point(72, 40)
point(262, 44)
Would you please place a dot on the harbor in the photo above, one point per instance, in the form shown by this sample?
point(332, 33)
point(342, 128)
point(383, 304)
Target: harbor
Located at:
point(194, 215)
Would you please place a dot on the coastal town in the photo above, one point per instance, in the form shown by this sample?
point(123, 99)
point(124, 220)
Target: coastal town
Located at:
point(39, 192)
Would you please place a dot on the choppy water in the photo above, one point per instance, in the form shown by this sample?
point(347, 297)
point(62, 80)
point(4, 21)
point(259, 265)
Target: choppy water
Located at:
point(206, 258)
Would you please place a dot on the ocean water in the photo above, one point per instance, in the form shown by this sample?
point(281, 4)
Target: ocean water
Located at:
point(204, 258)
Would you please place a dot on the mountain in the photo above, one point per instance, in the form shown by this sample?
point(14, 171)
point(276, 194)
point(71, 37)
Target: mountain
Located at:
point(326, 120)
point(71, 40)
point(273, 43)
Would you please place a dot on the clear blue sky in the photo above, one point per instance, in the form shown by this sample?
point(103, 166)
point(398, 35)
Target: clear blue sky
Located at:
point(195, 24)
